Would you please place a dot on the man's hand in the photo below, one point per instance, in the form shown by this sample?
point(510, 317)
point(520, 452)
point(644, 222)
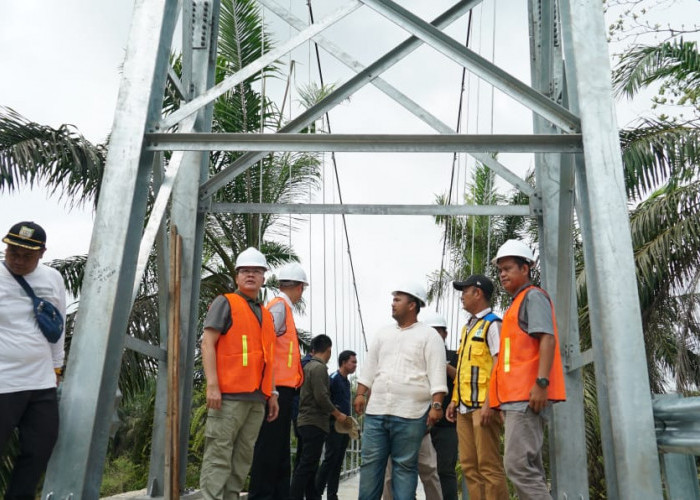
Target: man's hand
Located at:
point(434, 417)
point(213, 397)
point(450, 413)
point(343, 419)
point(273, 408)
point(359, 404)
point(538, 398)
point(486, 415)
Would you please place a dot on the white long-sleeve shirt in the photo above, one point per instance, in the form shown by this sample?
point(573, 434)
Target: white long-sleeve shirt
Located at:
point(27, 359)
point(404, 368)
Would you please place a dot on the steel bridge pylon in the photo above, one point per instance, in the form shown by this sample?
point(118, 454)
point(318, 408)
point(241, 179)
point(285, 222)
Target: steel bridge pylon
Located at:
point(578, 172)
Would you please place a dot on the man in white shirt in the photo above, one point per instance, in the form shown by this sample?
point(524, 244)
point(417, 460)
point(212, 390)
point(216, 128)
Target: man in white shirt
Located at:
point(405, 371)
point(30, 365)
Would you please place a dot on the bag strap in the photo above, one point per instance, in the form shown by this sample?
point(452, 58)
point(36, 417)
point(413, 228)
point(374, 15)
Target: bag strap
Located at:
point(23, 283)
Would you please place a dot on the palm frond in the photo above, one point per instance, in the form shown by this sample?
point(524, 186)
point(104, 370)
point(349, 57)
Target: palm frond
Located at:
point(641, 66)
point(62, 159)
point(657, 152)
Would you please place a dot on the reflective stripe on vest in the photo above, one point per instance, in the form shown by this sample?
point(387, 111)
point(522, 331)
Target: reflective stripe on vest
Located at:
point(474, 364)
point(245, 353)
point(288, 369)
point(518, 360)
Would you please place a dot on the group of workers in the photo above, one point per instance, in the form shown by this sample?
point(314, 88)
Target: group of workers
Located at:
point(424, 407)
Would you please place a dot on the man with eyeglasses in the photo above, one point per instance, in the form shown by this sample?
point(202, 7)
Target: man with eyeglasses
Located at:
point(271, 471)
point(30, 365)
point(237, 355)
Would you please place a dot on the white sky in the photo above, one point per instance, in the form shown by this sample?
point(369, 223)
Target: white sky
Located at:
point(61, 60)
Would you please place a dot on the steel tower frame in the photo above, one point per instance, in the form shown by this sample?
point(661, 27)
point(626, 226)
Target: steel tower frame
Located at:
point(578, 173)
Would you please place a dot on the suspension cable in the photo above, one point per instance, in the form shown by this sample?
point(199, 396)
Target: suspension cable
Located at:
point(340, 195)
point(454, 162)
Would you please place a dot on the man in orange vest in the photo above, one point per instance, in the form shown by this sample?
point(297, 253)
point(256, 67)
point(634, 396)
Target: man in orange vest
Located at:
point(271, 471)
point(528, 377)
point(237, 355)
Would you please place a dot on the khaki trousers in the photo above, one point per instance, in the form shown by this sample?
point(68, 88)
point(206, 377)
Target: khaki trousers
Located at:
point(479, 455)
point(427, 472)
point(228, 450)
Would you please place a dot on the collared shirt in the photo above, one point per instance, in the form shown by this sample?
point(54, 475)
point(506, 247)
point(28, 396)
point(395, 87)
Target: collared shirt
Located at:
point(403, 368)
point(340, 392)
point(219, 313)
point(279, 314)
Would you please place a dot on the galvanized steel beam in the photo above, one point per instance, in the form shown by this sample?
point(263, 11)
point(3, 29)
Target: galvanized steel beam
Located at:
point(489, 72)
point(555, 143)
point(355, 209)
point(399, 97)
point(555, 181)
point(255, 67)
point(87, 400)
point(609, 264)
point(385, 62)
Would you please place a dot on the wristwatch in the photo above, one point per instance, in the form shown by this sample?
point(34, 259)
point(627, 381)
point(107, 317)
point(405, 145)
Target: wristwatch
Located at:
point(276, 393)
point(542, 382)
point(435, 405)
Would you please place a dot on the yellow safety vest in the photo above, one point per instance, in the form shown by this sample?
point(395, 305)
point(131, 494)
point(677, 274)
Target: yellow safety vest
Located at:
point(474, 364)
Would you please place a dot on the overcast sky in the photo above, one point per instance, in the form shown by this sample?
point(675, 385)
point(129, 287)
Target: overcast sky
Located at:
point(61, 60)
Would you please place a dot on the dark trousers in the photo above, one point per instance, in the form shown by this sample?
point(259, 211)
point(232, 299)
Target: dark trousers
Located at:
point(304, 478)
point(271, 469)
point(329, 472)
point(444, 440)
point(35, 414)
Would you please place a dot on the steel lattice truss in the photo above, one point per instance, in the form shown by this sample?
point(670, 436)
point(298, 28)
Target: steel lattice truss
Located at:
point(578, 170)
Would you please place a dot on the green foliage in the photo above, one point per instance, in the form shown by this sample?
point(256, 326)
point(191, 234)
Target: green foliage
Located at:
point(674, 64)
point(121, 474)
point(61, 158)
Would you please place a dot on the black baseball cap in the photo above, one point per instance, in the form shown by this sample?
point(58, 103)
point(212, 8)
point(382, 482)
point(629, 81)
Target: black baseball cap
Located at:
point(26, 235)
point(477, 280)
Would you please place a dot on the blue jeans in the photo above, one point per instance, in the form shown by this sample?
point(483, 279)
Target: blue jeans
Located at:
point(386, 435)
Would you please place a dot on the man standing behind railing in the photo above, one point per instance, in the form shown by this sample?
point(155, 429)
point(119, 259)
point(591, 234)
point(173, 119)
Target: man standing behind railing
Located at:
point(337, 443)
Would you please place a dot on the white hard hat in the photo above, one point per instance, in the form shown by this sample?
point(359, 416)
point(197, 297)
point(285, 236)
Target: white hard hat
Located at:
point(251, 257)
point(433, 318)
point(414, 290)
point(292, 272)
point(514, 248)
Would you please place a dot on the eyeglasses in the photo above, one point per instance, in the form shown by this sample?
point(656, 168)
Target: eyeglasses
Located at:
point(251, 270)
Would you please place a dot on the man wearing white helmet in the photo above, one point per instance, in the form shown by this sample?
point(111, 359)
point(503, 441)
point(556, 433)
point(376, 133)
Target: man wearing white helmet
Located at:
point(405, 371)
point(528, 376)
point(271, 472)
point(443, 435)
point(237, 356)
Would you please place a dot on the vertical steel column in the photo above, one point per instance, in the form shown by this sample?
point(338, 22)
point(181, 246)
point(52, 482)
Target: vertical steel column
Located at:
point(610, 272)
point(602, 395)
point(555, 182)
point(75, 470)
point(156, 483)
point(681, 476)
point(200, 35)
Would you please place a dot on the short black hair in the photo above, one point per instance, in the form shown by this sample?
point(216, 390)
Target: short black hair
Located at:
point(321, 343)
point(344, 356)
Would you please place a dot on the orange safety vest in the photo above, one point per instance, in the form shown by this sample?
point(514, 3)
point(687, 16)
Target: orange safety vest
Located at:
point(288, 370)
point(245, 354)
point(518, 361)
